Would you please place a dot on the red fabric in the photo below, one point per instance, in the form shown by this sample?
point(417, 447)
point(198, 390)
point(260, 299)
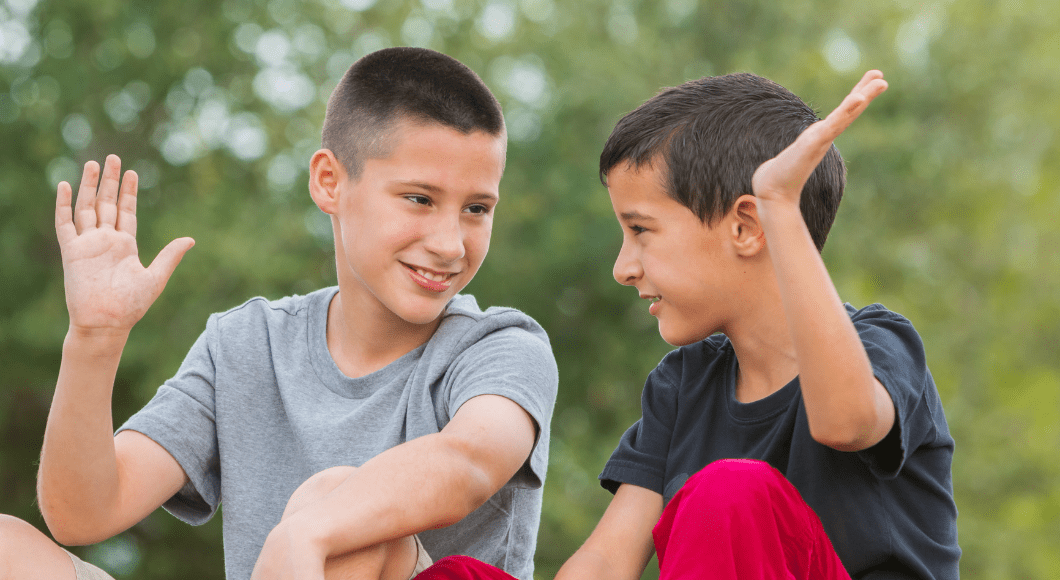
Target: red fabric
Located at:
point(462, 568)
point(740, 518)
point(736, 518)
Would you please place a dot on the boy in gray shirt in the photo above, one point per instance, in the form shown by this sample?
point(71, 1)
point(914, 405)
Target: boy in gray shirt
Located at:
point(359, 431)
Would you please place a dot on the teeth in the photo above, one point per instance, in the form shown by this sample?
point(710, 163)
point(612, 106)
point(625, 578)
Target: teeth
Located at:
point(432, 276)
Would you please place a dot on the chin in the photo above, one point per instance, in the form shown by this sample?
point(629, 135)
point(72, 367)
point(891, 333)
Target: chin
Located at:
point(682, 336)
point(424, 313)
point(421, 317)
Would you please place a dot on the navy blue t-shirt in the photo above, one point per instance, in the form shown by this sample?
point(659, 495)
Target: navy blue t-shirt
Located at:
point(888, 510)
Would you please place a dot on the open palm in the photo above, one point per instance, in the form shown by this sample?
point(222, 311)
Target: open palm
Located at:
point(107, 288)
point(782, 177)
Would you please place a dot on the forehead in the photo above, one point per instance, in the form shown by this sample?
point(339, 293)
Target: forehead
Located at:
point(428, 135)
point(628, 184)
point(640, 195)
point(430, 151)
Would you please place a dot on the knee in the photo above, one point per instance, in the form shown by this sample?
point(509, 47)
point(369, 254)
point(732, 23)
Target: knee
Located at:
point(317, 486)
point(14, 533)
point(17, 539)
point(734, 482)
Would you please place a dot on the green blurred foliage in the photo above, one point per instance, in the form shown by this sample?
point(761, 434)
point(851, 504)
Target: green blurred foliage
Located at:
point(954, 180)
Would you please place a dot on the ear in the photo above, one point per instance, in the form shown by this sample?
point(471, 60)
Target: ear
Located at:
point(326, 175)
point(747, 235)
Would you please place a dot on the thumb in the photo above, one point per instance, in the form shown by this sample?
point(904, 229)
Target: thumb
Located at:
point(166, 261)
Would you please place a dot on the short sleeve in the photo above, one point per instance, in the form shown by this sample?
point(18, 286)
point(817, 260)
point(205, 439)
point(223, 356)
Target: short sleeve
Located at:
point(518, 365)
point(896, 353)
point(180, 418)
point(640, 458)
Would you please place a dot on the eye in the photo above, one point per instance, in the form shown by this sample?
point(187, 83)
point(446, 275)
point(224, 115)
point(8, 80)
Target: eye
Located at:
point(478, 209)
point(637, 230)
point(419, 199)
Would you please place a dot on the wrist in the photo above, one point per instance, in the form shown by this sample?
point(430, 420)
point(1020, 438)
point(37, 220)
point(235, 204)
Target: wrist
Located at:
point(782, 219)
point(778, 206)
point(304, 536)
point(94, 342)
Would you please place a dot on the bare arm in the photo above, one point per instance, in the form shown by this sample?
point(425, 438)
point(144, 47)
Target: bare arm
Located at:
point(847, 407)
point(426, 483)
point(621, 545)
point(92, 485)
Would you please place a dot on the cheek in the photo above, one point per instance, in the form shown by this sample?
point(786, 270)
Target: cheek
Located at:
point(398, 233)
point(477, 241)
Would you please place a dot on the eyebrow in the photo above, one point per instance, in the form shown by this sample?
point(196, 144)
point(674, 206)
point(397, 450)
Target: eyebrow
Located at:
point(635, 215)
point(435, 189)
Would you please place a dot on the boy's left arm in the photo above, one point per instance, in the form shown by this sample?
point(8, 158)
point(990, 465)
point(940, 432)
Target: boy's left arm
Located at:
point(426, 483)
point(847, 407)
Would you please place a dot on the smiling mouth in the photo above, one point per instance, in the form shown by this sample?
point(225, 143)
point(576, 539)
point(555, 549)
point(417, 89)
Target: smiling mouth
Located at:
point(429, 279)
point(653, 304)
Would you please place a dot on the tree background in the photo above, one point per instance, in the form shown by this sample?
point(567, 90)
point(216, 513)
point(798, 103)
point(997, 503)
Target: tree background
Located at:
point(954, 176)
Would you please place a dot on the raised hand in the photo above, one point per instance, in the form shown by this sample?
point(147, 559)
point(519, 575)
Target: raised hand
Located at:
point(782, 177)
point(107, 288)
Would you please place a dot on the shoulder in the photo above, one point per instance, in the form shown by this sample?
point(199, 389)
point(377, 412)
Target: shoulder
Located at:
point(465, 323)
point(885, 328)
point(471, 342)
point(875, 314)
point(259, 312)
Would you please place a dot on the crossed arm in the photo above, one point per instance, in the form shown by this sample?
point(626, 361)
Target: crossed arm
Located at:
point(426, 483)
point(93, 485)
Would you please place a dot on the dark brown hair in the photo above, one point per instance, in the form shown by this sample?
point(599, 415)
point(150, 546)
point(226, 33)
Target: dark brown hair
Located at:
point(708, 136)
point(393, 84)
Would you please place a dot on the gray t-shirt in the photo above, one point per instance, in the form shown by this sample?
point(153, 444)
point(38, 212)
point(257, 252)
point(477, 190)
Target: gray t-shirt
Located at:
point(258, 406)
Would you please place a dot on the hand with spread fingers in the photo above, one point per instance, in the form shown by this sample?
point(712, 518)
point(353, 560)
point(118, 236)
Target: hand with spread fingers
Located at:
point(107, 288)
point(782, 177)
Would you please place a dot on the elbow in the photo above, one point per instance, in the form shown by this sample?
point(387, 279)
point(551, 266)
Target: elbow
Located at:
point(852, 434)
point(67, 526)
point(478, 488)
point(473, 481)
point(65, 531)
point(844, 444)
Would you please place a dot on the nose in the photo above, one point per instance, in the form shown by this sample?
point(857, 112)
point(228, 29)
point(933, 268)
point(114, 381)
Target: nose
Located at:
point(446, 238)
point(627, 266)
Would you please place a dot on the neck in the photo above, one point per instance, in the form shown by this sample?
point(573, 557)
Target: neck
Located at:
point(363, 336)
point(761, 338)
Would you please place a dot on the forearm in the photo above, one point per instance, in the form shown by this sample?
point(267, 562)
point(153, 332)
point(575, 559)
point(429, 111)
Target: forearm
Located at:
point(427, 483)
point(621, 545)
point(842, 397)
point(586, 564)
point(78, 477)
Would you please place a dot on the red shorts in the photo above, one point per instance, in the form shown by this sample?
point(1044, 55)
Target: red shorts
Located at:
point(735, 518)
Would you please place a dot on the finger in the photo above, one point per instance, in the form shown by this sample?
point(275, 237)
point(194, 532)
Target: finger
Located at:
point(85, 208)
point(166, 261)
point(867, 78)
point(127, 204)
point(870, 87)
point(850, 109)
point(64, 219)
point(793, 166)
point(817, 138)
point(800, 158)
point(107, 196)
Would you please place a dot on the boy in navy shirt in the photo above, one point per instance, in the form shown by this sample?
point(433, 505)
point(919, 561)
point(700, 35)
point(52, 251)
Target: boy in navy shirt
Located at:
point(791, 435)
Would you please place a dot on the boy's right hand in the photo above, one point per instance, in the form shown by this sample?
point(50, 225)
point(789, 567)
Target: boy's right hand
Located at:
point(107, 288)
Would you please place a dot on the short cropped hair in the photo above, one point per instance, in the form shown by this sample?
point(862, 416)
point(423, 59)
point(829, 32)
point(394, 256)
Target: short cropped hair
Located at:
point(403, 84)
point(708, 136)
